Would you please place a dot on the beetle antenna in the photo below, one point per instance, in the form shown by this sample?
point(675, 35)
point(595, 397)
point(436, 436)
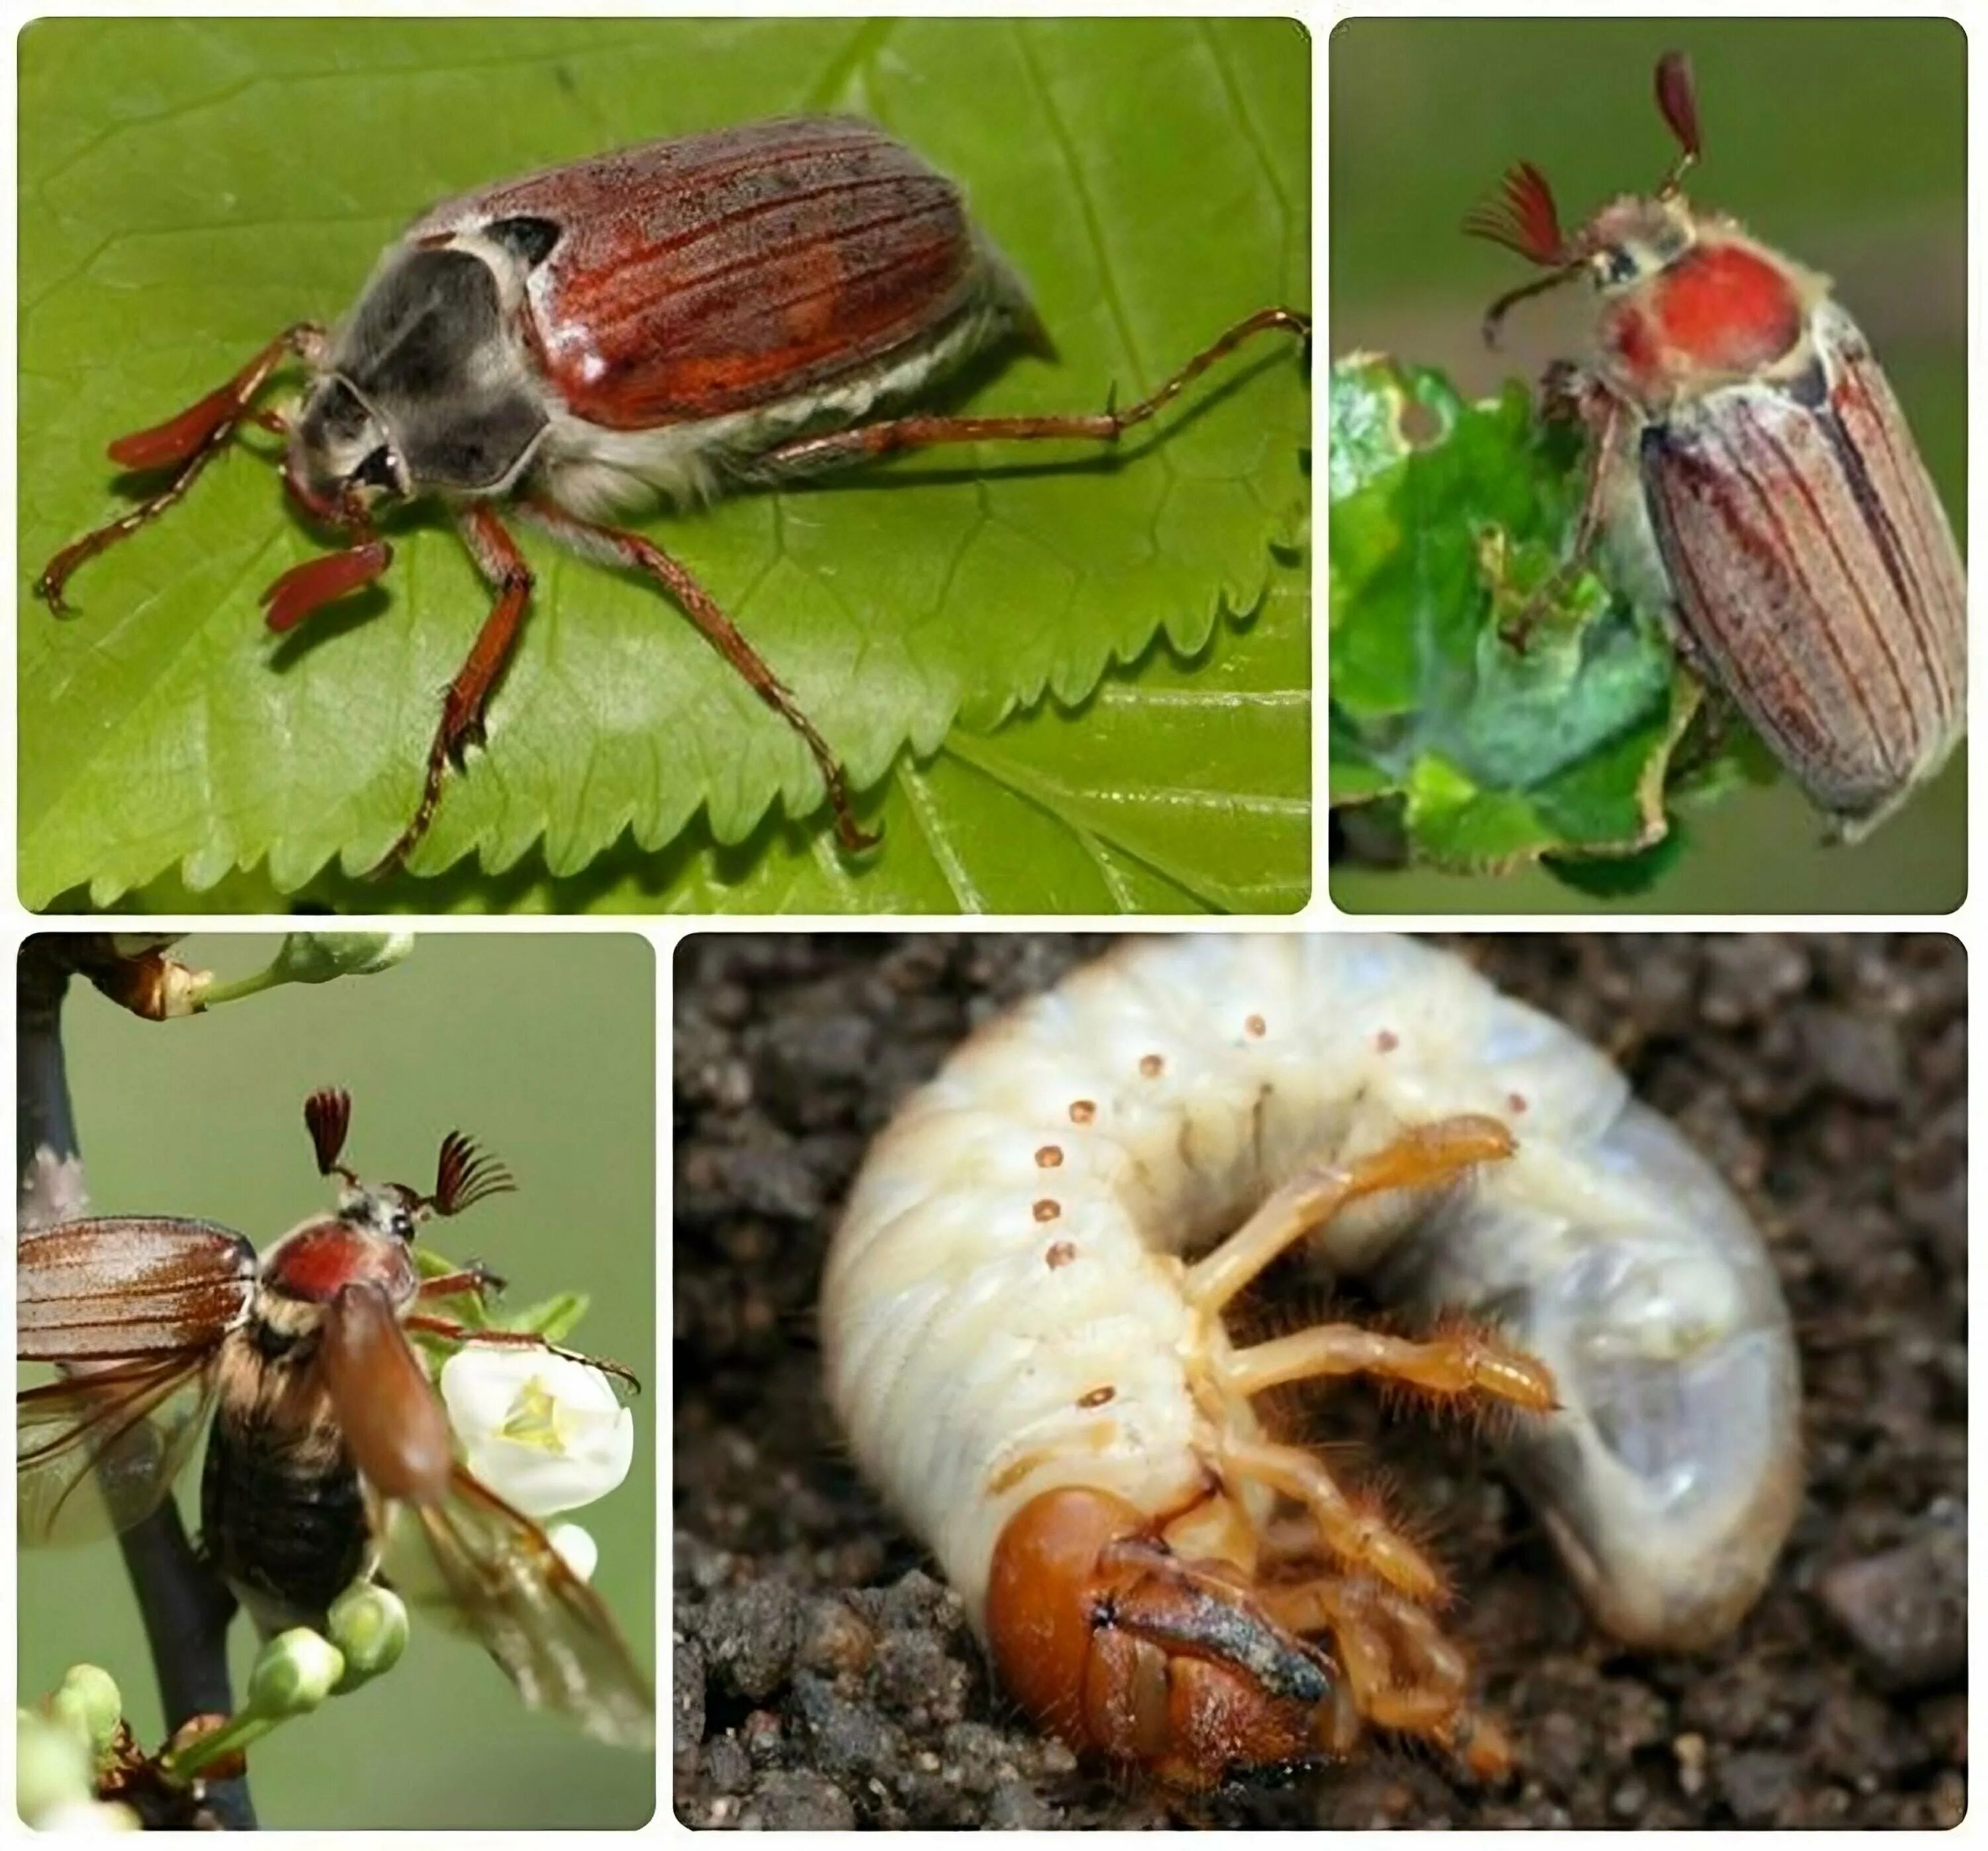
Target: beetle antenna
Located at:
point(1676, 101)
point(463, 1175)
point(1538, 286)
point(1522, 218)
point(328, 1117)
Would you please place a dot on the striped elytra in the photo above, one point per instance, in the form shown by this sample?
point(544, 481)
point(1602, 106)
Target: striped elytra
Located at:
point(1814, 571)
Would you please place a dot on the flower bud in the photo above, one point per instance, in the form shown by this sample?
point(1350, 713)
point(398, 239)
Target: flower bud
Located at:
point(88, 1701)
point(317, 957)
point(368, 1624)
point(576, 1548)
point(293, 1674)
point(52, 1767)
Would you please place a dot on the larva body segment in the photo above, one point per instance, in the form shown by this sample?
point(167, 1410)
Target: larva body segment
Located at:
point(1007, 1313)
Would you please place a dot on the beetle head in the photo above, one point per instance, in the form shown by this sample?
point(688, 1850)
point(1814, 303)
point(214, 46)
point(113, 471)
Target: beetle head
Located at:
point(1623, 245)
point(1630, 240)
point(342, 454)
point(464, 1174)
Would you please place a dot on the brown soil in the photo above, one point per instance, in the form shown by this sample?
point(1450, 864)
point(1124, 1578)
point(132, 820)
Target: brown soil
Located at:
point(823, 1677)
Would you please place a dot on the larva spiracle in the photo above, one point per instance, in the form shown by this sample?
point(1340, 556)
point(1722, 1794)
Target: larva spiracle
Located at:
point(1023, 1333)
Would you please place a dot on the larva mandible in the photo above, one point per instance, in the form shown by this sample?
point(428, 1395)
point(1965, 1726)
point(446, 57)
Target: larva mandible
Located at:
point(1028, 1363)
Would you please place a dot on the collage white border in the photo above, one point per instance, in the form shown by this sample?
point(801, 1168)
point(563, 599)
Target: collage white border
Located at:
point(664, 934)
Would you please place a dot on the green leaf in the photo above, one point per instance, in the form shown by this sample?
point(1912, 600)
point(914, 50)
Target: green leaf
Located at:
point(553, 1319)
point(1180, 785)
point(188, 188)
point(1504, 711)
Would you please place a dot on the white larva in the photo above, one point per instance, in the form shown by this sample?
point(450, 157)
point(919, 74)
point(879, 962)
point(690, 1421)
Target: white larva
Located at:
point(1006, 1310)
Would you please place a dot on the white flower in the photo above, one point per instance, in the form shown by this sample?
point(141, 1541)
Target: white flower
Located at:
point(545, 1433)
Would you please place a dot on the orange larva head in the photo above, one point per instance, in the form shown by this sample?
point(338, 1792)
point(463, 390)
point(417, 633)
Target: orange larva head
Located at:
point(1126, 1652)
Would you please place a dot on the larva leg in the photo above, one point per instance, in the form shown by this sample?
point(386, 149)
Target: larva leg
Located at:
point(1406, 1675)
point(1421, 1158)
point(1349, 1608)
point(1356, 1536)
point(1457, 1364)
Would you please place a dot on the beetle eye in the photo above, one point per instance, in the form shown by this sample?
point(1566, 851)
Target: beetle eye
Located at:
point(376, 471)
point(1615, 265)
point(404, 1226)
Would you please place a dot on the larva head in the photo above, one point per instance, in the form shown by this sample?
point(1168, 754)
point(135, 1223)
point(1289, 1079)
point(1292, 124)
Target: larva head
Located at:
point(1128, 1652)
point(1627, 244)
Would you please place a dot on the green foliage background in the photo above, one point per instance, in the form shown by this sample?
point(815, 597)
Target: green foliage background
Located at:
point(1842, 141)
point(1027, 668)
point(543, 1048)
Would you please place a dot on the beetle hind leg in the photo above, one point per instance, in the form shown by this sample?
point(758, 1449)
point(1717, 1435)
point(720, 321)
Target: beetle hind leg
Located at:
point(887, 436)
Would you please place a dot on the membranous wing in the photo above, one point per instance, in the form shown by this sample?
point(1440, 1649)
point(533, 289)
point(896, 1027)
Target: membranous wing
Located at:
point(98, 1452)
point(135, 1307)
point(548, 1629)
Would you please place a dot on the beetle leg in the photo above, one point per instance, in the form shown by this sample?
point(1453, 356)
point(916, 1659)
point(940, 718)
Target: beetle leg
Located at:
point(452, 1332)
point(473, 1278)
point(884, 438)
point(1425, 1156)
point(615, 547)
point(1570, 393)
point(463, 705)
point(189, 440)
point(1458, 1364)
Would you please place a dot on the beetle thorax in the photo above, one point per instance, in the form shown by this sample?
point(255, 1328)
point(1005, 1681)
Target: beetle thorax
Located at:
point(428, 387)
point(1692, 305)
point(367, 1242)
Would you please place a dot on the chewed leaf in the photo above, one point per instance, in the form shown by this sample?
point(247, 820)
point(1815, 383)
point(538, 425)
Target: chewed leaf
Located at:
point(1489, 709)
point(1150, 179)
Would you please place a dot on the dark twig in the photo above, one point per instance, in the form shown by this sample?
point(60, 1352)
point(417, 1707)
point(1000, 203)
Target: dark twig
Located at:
point(186, 1610)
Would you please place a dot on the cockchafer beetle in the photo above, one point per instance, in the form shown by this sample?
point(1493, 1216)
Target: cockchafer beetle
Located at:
point(675, 319)
point(1752, 468)
point(326, 1426)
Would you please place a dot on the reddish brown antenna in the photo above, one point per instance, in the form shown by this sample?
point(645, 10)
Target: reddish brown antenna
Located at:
point(1676, 101)
point(463, 1175)
point(1523, 218)
point(328, 1117)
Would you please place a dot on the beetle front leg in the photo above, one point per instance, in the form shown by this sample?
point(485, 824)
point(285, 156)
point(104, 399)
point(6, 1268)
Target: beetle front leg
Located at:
point(1569, 393)
point(189, 440)
point(453, 1332)
point(468, 697)
point(615, 547)
point(474, 1278)
point(871, 441)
